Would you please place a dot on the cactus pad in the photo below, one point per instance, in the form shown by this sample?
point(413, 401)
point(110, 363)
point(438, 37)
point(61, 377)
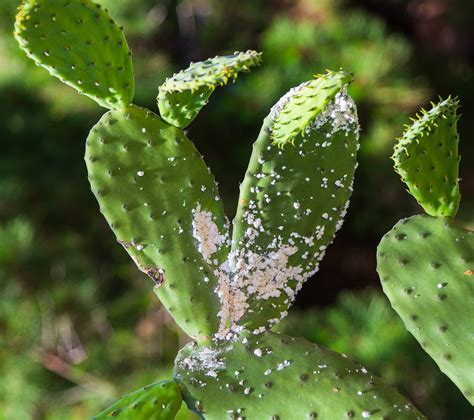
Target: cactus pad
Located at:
point(79, 43)
point(272, 376)
point(158, 401)
point(182, 96)
point(161, 201)
point(292, 202)
point(303, 104)
point(426, 266)
point(426, 158)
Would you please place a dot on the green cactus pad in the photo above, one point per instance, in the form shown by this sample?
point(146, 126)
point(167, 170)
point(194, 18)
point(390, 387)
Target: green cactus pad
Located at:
point(79, 43)
point(427, 159)
point(161, 201)
point(426, 266)
point(272, 376)
point(304, 104)
point(158, 401)
point(292, 202)
point(182, 96)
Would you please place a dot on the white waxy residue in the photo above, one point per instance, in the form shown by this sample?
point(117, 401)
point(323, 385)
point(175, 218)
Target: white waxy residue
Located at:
point(340, 113)
point(205, 359)
point(258, 352)
point(207, 234)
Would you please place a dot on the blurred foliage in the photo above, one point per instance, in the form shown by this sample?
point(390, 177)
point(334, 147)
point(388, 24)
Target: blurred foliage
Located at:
point(66, 349)
point(78, 323)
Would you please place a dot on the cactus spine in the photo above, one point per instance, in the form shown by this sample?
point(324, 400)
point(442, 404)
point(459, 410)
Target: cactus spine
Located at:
point(225, 288)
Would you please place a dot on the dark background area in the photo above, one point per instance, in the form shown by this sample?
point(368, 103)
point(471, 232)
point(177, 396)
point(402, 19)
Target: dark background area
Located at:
point(78, 322)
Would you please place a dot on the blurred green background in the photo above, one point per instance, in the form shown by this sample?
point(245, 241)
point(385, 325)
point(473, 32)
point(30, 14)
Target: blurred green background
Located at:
point(78, 323)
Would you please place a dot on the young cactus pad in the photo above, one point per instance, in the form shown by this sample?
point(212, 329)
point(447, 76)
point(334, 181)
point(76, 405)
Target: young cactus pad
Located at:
point(160, 199)
point(78, 42)
point(426, 266)
point(182, 96)
point(303, 104)
point(158, 401)
point(427, 159)
point(272, 376)
point(292, 202)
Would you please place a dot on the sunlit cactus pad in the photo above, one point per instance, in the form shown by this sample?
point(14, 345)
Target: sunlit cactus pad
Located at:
point(292, 202)
point(427, 159)
point(160, 199)
point(304, 103)
point(273, 376)
point(78, 42)
point(182, 96)
point(158, 401)
point(426, 266)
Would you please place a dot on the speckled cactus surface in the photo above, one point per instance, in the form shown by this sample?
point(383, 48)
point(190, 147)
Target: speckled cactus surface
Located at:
point(160, 199)
point(425, 263)
point(79, 43)
point(225, 285)
point(272, 376)
point(292, 201)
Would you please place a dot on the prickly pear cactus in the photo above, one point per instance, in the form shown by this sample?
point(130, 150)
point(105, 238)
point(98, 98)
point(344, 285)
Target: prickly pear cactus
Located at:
point(145, 173)
point(78, 42)
point(158, 401)
point(182, 96)
point(427, 159)
point(292, 202)
point(272, 376)
point(426, 264)
point(225, 290)
point(295, 112)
